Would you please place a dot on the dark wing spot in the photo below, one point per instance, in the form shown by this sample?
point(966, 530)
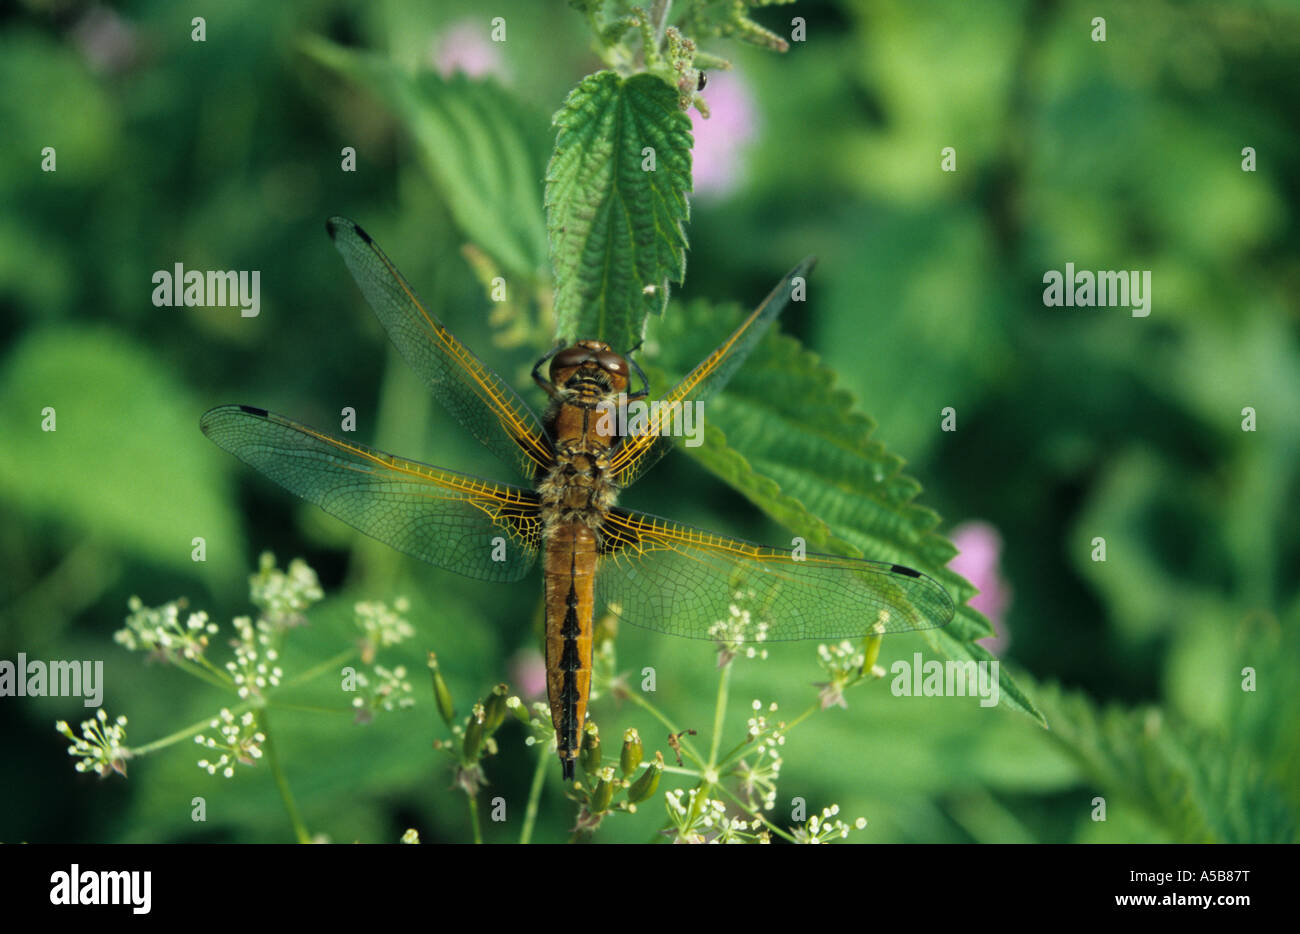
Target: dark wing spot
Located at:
point(906, 572)
point(335, 224)
point(260, 413)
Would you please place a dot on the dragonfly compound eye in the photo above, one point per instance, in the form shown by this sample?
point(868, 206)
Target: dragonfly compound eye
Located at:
point(612, 363)
point(569, 358)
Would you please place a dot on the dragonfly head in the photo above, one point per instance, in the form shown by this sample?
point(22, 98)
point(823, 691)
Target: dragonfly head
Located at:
point(590, 363)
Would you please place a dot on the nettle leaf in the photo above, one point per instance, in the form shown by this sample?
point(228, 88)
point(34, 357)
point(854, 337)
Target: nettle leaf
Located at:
point(1201, 788)
point(483, 148)
point(616, 228)
point(783, 435)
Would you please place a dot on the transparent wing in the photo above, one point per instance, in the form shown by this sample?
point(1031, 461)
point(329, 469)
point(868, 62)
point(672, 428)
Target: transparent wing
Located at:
point(474, 527)
point(684, 581)
point(637, 453)
point(477, 398)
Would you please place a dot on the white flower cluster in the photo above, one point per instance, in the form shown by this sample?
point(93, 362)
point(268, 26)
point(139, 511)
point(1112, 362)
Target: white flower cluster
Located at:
point(160, 630)
point(826, 826)
point(540, 729)
point(761, 770)
point(384, 627)
point(389, 691)
point(739, 631)
point(101, 745)
point(238, 740)
point(709, 823)
point(283, 596)
point(843, 658)
point(253, 668)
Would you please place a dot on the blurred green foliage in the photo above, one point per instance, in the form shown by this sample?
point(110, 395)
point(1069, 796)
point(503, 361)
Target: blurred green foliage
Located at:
point(1072, 423)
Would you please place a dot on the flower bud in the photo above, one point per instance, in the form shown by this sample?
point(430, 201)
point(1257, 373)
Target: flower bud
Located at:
point(474, 734)
point(604, 793)
point(648, 783)
point(632, 752)
point(591, 754)
point(495, 709)
point(871, 647)
point(520, 709)
point(441, 695)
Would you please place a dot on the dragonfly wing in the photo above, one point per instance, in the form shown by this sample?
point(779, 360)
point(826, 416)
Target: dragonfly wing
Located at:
point(672, 578)
point(477, 397)
point(637, 453)
point(448, 519)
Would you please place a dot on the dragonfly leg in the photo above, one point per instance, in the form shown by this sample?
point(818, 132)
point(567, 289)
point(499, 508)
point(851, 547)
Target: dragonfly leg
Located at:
point(541, 380)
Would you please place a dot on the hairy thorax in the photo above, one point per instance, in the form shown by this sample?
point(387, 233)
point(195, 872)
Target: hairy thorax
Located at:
point(579, 489)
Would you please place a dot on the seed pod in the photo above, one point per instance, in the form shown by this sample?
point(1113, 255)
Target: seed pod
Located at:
point(648, 783)
point(520, 708)
point(591, 754)
point(632, 752)
point(495, 709)
point(441, 695)
point(474, 734)
point(604, 793)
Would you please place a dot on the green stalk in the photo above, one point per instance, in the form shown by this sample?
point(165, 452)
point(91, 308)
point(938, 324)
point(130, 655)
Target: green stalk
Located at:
point(281, 782)
point(183, 733)
point(473, 818)
point(534, 794)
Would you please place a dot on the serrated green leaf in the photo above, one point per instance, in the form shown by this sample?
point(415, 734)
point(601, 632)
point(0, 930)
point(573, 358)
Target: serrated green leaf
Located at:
point(484, 150)
point(1200, 787)
point(616, 230)
point(784, 436)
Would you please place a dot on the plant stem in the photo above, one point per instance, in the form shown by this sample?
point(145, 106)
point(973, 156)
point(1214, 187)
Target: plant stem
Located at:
point(719, 714)
point(651, 709)
point(183, 734)
point(320, 669)
point(281, 782)
point(756, 813)
point(214, 677)
point(473, 818)
point(534, 794)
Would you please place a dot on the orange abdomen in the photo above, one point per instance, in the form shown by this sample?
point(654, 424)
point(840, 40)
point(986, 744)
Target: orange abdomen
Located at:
point(569, 570)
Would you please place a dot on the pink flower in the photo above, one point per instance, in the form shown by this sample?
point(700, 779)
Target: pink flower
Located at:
point(528, 672)
point(466, 45)
point(979, 551)
point(106, 40)
point(721, 140)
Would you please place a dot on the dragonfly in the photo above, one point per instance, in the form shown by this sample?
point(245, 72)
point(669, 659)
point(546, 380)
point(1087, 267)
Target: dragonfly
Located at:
point(649, 571)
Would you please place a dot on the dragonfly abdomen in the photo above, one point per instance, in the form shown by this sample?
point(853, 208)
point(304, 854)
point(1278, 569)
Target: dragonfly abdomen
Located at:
point(570, 574)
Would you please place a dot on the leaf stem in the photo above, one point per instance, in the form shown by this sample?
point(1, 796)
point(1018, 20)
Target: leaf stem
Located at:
point(534, 793)
point(183, 733)
point(320, 669)
point(651, 709)
point(213, 676)
point(473, 818)
point(282, 782)
point(719, 714)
